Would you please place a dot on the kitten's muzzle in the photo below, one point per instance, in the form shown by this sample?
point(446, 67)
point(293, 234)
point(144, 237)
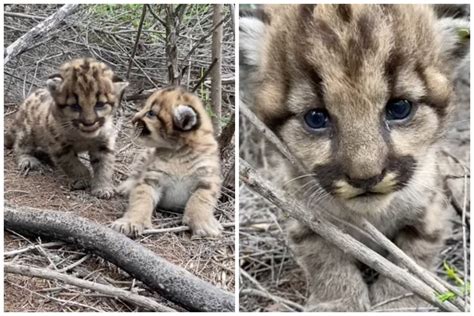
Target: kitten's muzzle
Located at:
point(366, 184)
point(89, 127)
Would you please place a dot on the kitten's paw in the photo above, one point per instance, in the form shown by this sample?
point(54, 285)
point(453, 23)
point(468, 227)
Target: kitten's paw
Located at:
point(27, 164)
point(125, 187)
point(130, 227)
point(79, 184)
point(103, 192)
point(204, 226)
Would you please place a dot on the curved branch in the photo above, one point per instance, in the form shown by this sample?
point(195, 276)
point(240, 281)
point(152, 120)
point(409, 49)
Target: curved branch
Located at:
point(172, 282)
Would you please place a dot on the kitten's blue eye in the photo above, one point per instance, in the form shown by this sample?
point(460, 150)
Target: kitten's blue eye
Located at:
point(316, 118)
point(398, 109)
point(150, 114)
point(99, 105)
point(75, 107)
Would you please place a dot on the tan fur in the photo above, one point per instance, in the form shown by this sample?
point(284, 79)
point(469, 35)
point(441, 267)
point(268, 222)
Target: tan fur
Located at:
point(63, 121)
point(350, 60)
point(179, 170)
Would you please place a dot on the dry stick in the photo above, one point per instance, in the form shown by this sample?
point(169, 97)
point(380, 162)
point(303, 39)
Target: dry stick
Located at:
point(33, 247)
point(171, 281)
point(345, 242)
point(216, 81)
point(52, 298)
point(40, 30)
point(177, 229)
point(204, 76)
point(127, 296)
point(137, 39)
point(408, 262)
point(425, 275)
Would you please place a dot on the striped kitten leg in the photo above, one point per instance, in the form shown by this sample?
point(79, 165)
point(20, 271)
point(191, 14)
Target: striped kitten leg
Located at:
point(199, 211)
point(69, 162)
point(142, 201)
point(102, 161)
point(23, 149)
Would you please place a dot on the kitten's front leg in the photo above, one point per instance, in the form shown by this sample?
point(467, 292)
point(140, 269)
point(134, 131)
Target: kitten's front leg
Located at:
point(102, 160)
point(422, 242)
point(199, 210)
point(67, 159)
point(334, 280)
point(142, 201)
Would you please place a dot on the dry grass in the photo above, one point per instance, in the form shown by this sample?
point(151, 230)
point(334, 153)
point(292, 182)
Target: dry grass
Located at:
point(109, 39)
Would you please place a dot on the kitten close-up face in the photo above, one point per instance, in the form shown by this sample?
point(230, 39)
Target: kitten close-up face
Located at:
point(86, 93)
point(169, 117)
point(360, 94)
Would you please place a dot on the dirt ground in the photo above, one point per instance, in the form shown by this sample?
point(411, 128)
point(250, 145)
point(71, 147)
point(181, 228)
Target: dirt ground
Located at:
point(210, 260)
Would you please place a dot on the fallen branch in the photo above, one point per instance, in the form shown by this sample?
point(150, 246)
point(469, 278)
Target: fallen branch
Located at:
point(132, 298)
point(345, 242)
point(204, 76)
point(425, 275)
point(40, 30)
point(172, 282)
point(177, 229)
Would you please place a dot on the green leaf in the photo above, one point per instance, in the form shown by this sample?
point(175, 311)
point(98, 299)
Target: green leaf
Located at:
point(447, 296)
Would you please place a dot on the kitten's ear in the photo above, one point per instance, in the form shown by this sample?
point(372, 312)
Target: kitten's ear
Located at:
point(252, 27)
point(119, 85)
point(251, 33)
point(185, 118)
point(455, 40)
point(54, 83)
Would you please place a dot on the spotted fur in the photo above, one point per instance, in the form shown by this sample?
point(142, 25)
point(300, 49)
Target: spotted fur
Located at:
point(350, 60)
point(180, 169)
point(73, 114)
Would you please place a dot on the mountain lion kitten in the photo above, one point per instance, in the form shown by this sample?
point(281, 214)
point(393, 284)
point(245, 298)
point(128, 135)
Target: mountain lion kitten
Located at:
point(361, 94)
point(73, 114)
point(179, 170)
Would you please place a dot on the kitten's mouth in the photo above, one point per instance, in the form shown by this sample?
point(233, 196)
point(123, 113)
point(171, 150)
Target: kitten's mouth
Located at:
point(89, 129)
point(368, 194)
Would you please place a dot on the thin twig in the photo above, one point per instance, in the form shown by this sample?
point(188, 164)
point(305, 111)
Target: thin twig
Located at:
point(177, 229)
point(204, 76)
point(137, 39)
point(127, 296)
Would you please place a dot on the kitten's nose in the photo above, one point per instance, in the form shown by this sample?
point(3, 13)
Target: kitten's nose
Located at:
point(365, 183)
point(88, 122)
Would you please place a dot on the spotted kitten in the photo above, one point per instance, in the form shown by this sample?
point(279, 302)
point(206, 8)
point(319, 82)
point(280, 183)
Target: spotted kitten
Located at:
point(73, 114)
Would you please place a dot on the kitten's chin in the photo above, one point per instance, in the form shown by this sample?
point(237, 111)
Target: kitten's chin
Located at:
point(368, 204)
